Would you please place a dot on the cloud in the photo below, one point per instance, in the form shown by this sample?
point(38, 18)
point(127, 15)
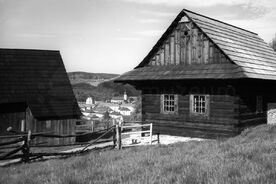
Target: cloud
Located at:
point(248, 11)
point(194, 3)
point(127, 38)
point(150, 33)
point(34, 35)
point(161, 14)
point(150, 20)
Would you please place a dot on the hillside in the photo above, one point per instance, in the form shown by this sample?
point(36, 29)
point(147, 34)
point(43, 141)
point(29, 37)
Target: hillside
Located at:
point(90, 78)
point(247, 158)
point(98, 85)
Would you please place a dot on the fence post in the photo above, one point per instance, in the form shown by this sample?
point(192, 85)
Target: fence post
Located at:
point(26, 147)
point(92, 125)
point(114, 135)
point(118, 137)
point(151, 133)
point(158, 138)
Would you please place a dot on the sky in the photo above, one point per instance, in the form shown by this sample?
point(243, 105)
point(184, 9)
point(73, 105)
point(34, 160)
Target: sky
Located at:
point(113, 36)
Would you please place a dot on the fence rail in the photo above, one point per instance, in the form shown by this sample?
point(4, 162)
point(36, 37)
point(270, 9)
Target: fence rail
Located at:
point(26, 137)
point(135, 131)
point(21, 143)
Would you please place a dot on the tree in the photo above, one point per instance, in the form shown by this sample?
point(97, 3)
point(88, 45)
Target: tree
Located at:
point(273, 43)
point(137, 114)
point(106, 119)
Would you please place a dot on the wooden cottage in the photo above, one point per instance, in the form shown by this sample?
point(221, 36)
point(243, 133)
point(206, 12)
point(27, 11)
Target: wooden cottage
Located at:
point(36, 95)
point(206, 78)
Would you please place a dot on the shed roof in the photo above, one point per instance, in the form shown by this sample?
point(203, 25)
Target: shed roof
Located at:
point(39, 79)
point(250, 55)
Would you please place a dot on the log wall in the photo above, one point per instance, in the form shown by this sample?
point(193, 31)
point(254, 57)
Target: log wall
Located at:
point(232, 106)
point(221, 122)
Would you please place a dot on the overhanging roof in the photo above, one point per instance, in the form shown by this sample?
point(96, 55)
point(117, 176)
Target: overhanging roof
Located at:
point(245, 49)
point(38, 78)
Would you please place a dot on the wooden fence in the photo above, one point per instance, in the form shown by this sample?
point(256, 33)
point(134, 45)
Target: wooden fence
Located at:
point(21, 144)
point(132, 130)
point(22, 141)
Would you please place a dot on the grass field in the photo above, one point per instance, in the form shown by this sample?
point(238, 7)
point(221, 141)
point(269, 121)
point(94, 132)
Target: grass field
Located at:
point(248, 158)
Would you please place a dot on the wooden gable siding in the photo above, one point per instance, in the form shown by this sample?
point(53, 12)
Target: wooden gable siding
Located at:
point(187, 45)
point(222, 121)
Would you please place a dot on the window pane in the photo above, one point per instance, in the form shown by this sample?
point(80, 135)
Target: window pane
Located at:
point(199, 104)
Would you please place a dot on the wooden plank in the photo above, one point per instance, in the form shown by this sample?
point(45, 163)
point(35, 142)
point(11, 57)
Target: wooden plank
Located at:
point(177, 46)
point(162, 56)
point(194, 46)
point(211, 53)
point(136, 132)
point(200, 49)
point(182, 45)
point(167, 52)
point(186, 117)
point(136, 126)
point(172, 50)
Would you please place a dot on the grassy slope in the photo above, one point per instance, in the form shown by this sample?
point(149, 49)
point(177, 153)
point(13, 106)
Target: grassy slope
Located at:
point(248, 158)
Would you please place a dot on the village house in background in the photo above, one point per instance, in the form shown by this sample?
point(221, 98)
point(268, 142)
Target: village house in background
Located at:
point(119, 99)
point(119, 109)
point(206, 78)
point(36, 95)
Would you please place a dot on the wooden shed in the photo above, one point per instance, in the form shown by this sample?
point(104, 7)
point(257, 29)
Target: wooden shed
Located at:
point(36, 94)
point(206, 78)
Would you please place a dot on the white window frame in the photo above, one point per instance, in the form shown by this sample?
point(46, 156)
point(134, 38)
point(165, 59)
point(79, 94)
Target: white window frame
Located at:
point(204, 107)
point(169, 103)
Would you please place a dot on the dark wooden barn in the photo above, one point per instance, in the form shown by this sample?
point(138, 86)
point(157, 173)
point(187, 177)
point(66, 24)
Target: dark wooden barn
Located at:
point(36, 95)
point(206, 78)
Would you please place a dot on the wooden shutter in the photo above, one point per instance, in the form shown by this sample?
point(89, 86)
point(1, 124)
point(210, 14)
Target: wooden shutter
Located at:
point(162, 103)
point(208, 105)
point(191, 103)
point(176, 104)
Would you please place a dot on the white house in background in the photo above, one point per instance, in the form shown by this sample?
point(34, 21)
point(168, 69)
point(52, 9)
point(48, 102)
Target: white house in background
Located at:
point(119, 99)
point(125, 111)
point(89, 101)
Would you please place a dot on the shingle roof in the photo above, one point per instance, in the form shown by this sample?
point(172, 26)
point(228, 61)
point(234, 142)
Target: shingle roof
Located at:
point(250, 55)
point(244, 48)
point(175, 72)
point(39, 78)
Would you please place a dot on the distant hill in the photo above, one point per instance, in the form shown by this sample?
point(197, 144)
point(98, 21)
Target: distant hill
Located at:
point(98, 85)
point(90, 78)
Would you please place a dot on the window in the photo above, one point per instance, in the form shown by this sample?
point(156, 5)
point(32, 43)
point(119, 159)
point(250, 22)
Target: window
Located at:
point(259, 104)
point(168, 103)
point(199, 104)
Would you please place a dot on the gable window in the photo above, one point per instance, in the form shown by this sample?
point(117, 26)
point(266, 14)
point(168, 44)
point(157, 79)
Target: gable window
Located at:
point(259, 104)
point(169, 103)
point(199, 104)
